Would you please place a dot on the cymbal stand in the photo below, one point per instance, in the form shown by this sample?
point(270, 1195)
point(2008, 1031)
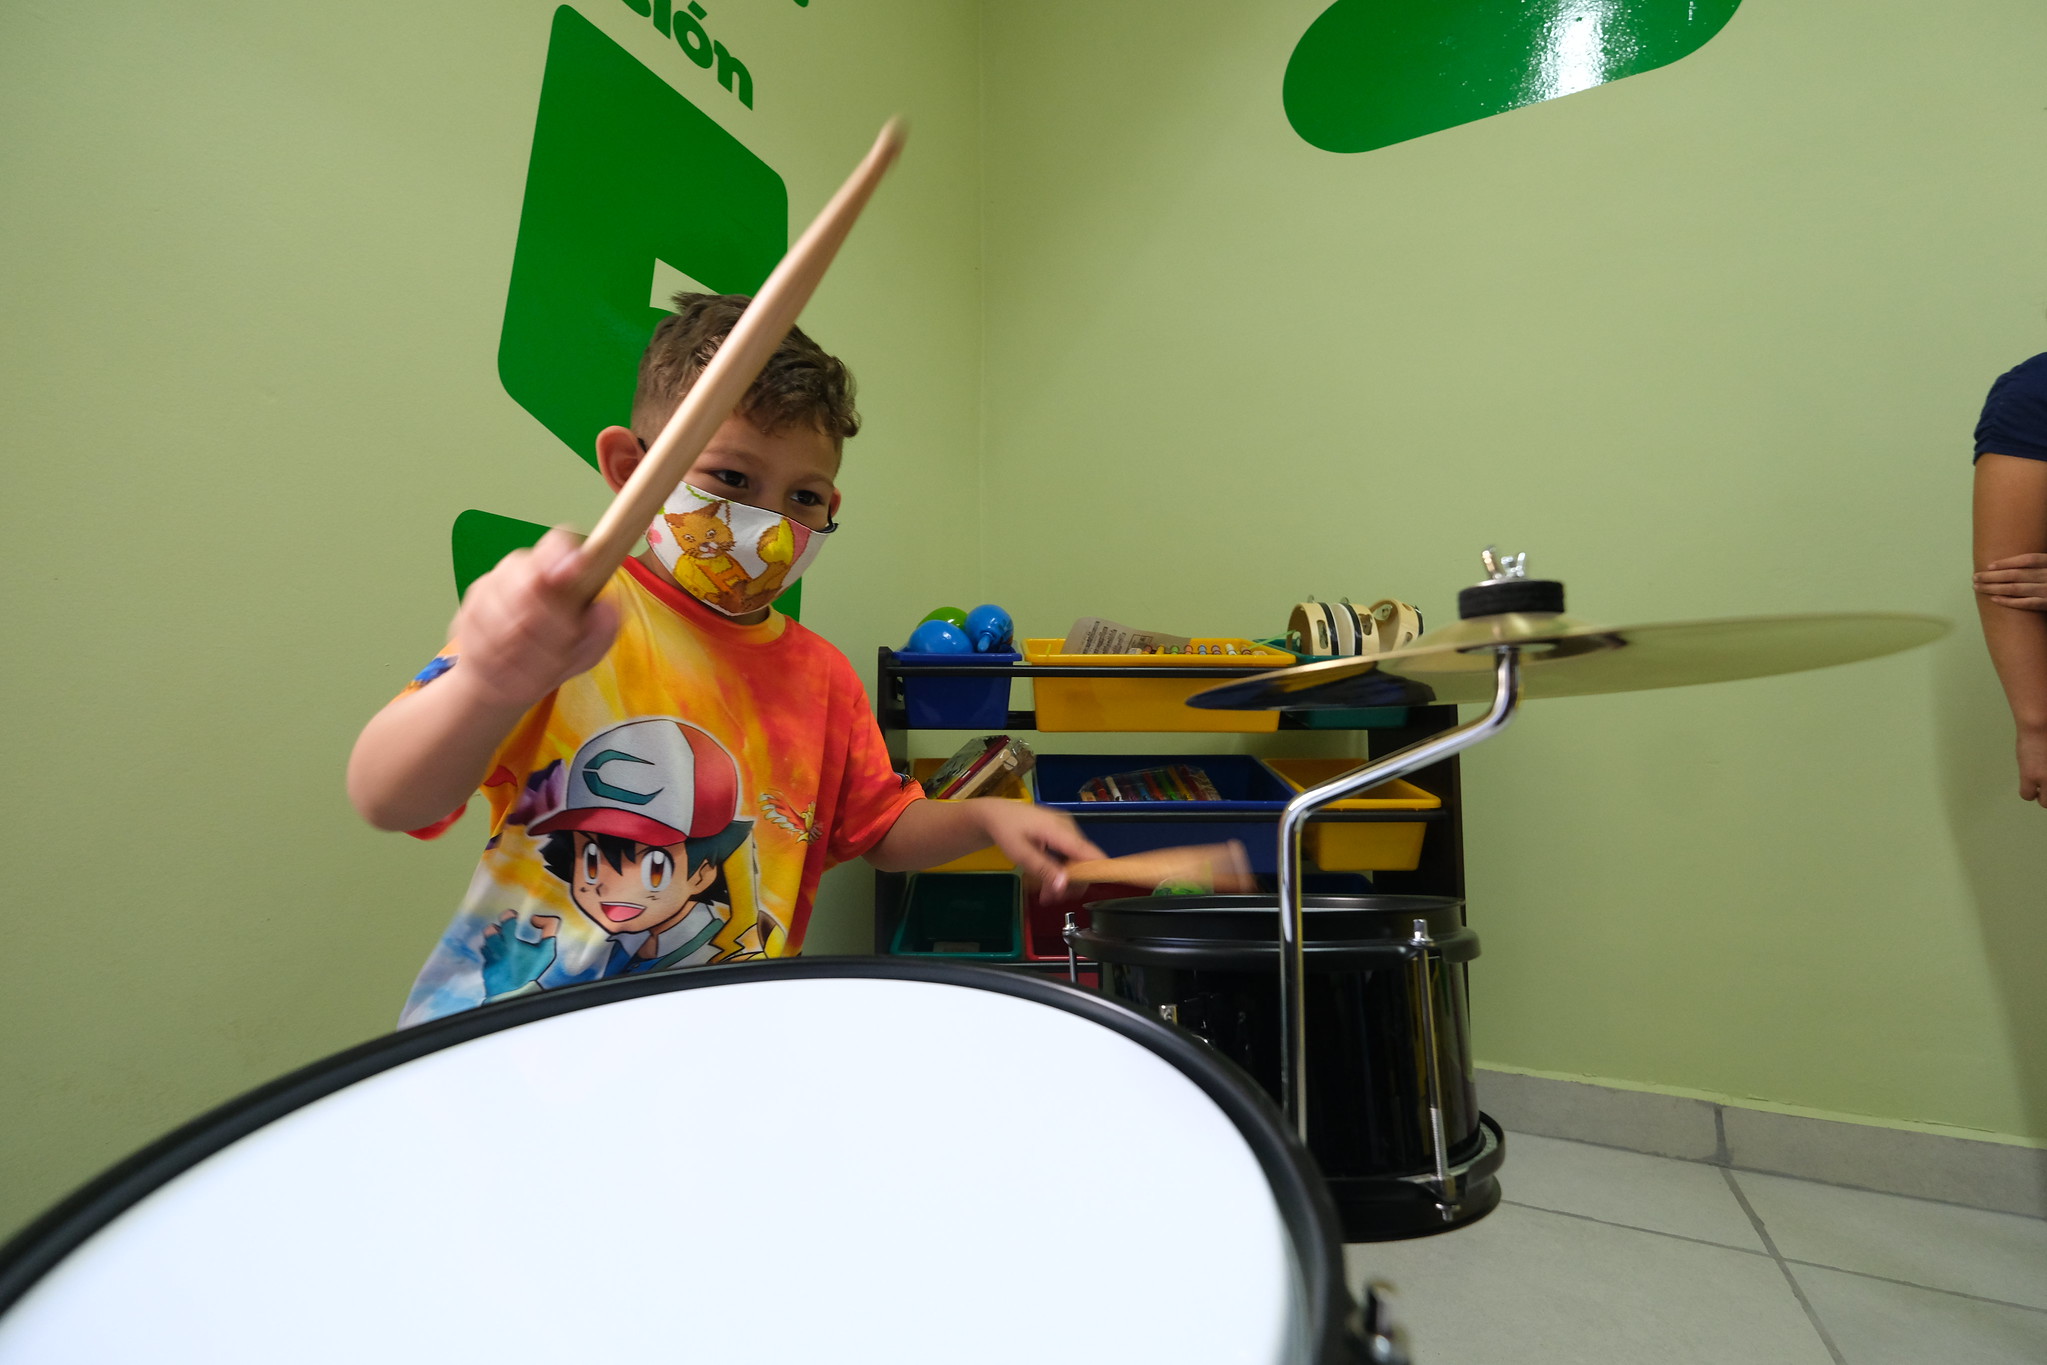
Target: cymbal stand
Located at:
point(1293, 958)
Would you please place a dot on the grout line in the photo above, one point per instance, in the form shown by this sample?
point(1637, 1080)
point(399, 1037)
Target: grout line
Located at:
point(1789, 1260)
point(1720, 1156)
point(1635, 1227)
point(1720, 1160)
point(1909, 1284)
point(1888, 1194)
point(1612, 1146)
point(1797, 1290)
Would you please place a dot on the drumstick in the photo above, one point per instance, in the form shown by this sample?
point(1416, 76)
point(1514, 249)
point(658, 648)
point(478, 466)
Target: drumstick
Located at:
point(1218, 867)
point(761, 328)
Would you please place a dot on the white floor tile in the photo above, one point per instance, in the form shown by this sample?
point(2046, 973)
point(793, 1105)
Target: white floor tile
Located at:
point(1681, 1197)
point(1875, 1323)
point(1942, 1246)
point(1527, 1287)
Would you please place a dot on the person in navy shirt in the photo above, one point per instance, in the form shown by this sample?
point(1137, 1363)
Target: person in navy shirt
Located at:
point(2010, 521)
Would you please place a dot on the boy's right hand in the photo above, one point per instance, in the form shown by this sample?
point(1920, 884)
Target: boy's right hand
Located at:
point(523, 630)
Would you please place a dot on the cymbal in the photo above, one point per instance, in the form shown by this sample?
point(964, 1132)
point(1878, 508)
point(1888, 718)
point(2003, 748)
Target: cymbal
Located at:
point(1562, 656)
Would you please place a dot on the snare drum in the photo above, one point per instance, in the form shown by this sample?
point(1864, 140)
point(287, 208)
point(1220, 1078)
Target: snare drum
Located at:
point(799, 1161)
point(1210, 965)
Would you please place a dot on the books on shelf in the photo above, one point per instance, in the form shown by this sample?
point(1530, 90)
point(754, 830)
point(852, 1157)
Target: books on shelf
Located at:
point(980, 766)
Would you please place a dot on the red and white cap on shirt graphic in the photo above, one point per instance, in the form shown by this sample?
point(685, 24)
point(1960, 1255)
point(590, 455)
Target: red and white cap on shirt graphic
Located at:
point(655, 782)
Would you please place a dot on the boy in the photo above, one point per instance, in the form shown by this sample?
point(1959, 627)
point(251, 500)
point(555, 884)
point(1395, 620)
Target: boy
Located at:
point(671, 768)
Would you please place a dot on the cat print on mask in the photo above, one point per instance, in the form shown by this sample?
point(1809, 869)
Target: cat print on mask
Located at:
point(705, 568)
point(733, 557)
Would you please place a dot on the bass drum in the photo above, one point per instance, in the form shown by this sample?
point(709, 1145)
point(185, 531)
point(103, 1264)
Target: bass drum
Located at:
point(1211, 965)
point(802, 1161)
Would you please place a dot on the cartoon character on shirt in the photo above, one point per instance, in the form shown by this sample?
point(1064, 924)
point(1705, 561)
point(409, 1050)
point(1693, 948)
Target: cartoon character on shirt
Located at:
point(648, 822)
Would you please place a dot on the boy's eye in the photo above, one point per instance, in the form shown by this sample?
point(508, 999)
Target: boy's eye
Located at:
point(590, 864)
point(808, 498)
point(656, 867)
point(731, 478)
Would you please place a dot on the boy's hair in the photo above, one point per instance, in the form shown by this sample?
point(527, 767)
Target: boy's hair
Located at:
point(801, 384)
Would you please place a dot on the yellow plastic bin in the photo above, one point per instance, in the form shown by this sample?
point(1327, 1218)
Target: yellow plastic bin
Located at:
point(1141, 703)
point(1359, 846)
point(988, 859)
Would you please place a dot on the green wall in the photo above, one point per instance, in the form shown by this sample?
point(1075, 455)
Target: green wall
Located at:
point(1706, 341)
point(256, 268)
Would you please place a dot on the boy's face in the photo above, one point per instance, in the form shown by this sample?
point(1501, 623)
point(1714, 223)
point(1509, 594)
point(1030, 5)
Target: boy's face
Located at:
point(648, 893)
point(790, 471)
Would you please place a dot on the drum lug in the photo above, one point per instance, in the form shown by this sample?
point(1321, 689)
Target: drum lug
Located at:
point(1070, 933)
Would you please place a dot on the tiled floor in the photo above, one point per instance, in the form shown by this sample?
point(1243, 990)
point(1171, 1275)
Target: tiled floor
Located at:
point(1601, 1256)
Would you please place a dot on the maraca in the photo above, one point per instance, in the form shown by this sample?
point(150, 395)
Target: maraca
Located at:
point(990, 629)
point(952, 615)
point(938, 637)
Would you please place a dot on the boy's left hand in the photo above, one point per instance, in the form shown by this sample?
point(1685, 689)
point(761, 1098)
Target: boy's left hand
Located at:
point(1039, 841)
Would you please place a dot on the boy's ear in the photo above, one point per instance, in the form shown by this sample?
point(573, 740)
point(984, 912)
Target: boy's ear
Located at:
point(618, 455)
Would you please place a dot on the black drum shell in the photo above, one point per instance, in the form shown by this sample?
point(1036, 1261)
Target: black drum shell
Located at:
point(1211, 963)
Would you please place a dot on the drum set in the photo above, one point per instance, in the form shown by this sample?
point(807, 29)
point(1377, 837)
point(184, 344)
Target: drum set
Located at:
point(888, 1159)
point(1378, 982)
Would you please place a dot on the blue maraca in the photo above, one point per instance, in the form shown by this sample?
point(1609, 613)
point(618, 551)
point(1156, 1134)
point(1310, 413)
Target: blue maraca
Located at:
point(938, 637)
point(990, 629)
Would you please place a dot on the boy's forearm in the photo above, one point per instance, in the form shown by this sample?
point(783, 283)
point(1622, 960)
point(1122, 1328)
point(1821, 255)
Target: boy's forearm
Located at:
point(425, 753)
point(929, 833)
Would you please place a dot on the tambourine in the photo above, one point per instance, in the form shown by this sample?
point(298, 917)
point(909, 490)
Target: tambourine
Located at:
point(1330, 629)
point(1340, 630)
point(1396, 624)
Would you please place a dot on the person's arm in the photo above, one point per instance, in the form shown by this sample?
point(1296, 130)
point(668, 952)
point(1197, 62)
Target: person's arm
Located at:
point(2010, 520)
point(521, 633)
point(1039, 841)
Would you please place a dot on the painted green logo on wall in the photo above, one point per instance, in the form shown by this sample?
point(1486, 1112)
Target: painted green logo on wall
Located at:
point(1369, 73)
point(631, 193)
point(626, 176)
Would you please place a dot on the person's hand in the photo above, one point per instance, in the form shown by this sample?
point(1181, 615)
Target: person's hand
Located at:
point(523, 631)
point(1039, 841)
point(2032, 754)
point(2020, 581)
point(511, 963)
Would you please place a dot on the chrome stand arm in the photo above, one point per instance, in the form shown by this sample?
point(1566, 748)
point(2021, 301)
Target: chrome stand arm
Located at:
point(1425, 1001)
point(1293, 960)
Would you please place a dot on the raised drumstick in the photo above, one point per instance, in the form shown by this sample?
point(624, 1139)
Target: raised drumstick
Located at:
point(1218, 867)
point(732, 370)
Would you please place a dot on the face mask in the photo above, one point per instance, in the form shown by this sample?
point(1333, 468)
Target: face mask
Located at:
point(733, 558)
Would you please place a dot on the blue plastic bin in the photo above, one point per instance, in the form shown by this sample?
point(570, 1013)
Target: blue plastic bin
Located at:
point(956, 703)
point(1249, 789)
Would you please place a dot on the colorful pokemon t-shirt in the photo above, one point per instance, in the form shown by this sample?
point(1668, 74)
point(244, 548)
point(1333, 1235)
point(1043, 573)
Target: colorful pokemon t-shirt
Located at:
point(674, 806)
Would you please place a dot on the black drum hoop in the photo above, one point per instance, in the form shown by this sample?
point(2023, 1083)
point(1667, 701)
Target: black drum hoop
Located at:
point(1298, 1188)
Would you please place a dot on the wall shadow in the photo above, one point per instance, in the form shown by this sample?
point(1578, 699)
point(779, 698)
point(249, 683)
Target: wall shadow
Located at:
point(2000, 840)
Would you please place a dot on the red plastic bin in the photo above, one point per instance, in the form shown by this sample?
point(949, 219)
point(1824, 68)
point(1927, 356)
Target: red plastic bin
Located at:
point(1044, 927)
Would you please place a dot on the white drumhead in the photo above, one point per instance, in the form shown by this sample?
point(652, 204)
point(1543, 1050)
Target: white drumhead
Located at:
point(795, 1170)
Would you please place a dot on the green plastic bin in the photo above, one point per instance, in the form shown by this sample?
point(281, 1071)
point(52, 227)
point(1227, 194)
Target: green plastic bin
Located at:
point(974, 915)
